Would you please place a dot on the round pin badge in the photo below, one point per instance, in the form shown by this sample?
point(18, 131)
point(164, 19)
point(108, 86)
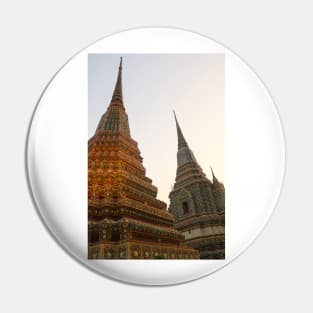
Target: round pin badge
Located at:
point(155, 156)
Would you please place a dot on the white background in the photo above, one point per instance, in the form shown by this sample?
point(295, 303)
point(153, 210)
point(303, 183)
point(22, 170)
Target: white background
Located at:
point(274, 38)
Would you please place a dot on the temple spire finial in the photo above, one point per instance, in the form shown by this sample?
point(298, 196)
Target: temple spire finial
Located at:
point(118, 94)
point(181, 139)
point(115, 118)
point(215, 180)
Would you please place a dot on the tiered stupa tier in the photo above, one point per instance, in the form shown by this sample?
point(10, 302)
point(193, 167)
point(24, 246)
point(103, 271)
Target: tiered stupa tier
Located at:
point(125, 219)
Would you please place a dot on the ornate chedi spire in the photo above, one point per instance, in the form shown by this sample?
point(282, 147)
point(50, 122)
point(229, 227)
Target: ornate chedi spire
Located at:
point(125, 218)
point(184, 154)
point(181, 139)
point(214, 179)
point(118, 91)
point(115, 119)
point(197, 204)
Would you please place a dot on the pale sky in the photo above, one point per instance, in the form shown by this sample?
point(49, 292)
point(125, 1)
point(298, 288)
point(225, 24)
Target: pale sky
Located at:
point(153, 86)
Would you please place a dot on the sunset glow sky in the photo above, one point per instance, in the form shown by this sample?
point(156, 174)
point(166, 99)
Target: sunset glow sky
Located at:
point(154, 86)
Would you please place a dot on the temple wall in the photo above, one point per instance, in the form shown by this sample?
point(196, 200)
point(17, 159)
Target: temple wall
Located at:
point(204, 231)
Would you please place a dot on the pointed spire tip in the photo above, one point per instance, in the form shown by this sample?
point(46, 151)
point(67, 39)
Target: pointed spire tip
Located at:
point(175, 117)
point(118, 94)
point(215, 180)
point(181, 139)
